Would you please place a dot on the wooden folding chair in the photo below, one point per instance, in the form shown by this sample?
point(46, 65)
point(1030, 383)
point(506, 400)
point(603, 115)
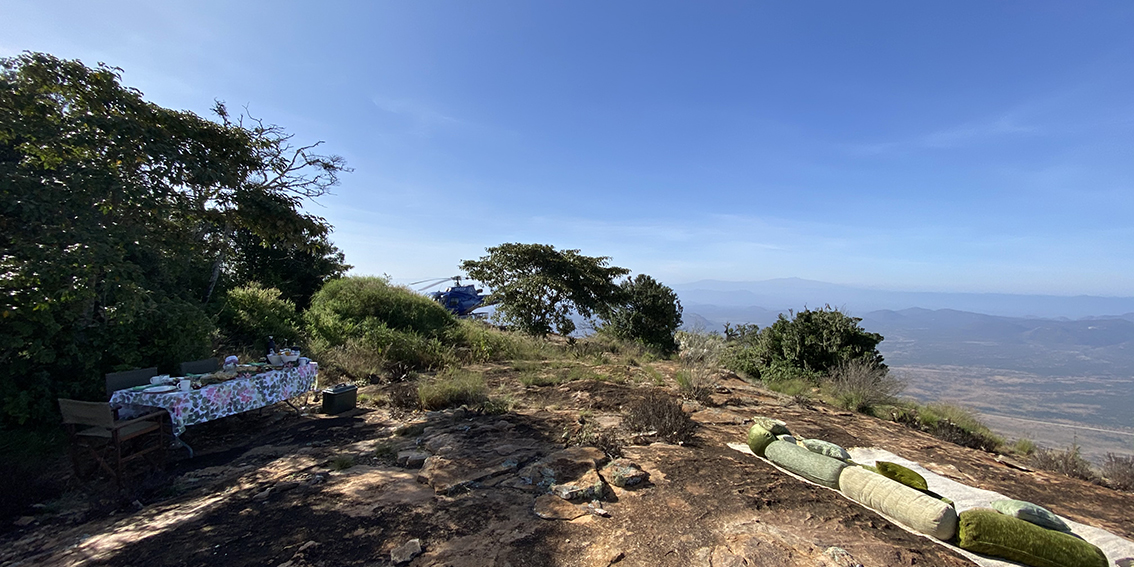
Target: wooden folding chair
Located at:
point(128, 379)
point(112, 443)
point(200, 366)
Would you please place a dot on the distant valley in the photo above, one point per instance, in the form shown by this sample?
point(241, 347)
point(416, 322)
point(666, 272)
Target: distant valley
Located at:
point(1038, 362)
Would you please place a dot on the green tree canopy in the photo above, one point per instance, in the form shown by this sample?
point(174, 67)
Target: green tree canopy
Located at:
point(646, 311)
point(810, 344)
point(538, 286)
point(118, 218)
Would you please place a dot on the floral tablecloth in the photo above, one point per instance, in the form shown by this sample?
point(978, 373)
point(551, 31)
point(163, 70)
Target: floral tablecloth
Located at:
point(227, 398)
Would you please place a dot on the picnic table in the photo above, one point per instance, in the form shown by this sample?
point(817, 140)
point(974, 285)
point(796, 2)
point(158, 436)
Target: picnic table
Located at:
point(238, 395)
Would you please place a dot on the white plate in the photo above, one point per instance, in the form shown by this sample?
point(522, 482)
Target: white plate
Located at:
point(160, 389)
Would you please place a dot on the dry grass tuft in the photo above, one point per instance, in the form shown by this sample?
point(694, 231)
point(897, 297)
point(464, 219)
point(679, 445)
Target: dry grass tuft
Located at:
point(659, 413)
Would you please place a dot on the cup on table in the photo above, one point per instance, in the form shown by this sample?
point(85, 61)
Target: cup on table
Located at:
point(184, 385)
point(303, 360)
point(159, 379)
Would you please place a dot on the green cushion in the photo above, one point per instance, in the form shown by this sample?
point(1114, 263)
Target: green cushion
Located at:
point(774, 426)
point(991, 533)
point(817, 468)
point(1029, 512)
point(758, 439)
point(919, 511)
point(894, 471)
point(826, 448)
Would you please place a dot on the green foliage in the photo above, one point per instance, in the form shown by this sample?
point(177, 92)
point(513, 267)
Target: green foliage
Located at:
point(351, 307)
point(252, 313)
point(453, 389)
point(117, 218)
point(792, 387)
point(945, 421)
point(477, 341)
point(809, 345)
point(298, 270)
point(538, 286)
point(648, 312)
point(364, 319)
point(1024, 446)
point(364, 327)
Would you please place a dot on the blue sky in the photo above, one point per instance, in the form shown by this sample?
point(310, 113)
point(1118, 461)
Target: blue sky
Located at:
point(953, 146)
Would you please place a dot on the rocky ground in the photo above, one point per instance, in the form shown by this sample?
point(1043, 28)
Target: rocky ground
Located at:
point(377, 486)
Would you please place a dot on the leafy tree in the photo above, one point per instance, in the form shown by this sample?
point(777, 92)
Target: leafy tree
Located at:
point(647, 311)
point(296, 270)
point(811, 344)
point(116, 216)
point(538, 286)
point(252, 313)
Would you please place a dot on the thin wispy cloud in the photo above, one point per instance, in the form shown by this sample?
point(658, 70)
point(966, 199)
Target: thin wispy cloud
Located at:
point(423, 119)
point(976, 132)
point(961, 135)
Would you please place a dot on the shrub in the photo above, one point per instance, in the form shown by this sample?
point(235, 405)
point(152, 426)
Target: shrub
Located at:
point(403, 396)
point(809, 345)
point(591, 435)
point(477, 341)
point(498, 405)
point(368, 325)
point(1068, 462)
point(860, 386)
point(1119, 472)
point(341, 463)
point(660, 413)
point(451, 390)
point(352, 307)
point(251, 314)
point(700, 355)
point(945, 421)
point(648, 312)
point(1024, 446)
point(958, 425)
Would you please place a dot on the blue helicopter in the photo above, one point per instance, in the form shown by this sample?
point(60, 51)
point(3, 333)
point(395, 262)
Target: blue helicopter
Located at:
point(460, 300)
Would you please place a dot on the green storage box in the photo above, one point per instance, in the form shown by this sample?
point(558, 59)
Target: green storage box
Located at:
point(343, 397)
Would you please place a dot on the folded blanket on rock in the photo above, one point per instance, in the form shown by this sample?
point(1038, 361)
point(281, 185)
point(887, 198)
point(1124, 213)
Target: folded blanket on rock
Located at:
point(817, 468)
point(999, 535)
point(911, 507)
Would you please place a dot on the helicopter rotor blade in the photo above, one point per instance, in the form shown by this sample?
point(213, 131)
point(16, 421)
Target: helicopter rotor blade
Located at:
point(437, 282)
point(428, 280)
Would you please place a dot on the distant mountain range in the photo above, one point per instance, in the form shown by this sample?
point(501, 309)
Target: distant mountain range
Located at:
point(1045, 335)
point(794, 293)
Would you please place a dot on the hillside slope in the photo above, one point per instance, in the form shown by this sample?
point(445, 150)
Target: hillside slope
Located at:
point(264, 491)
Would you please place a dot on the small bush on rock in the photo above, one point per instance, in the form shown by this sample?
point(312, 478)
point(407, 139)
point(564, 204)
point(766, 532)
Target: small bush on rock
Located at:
point(700, 355)
point(860, 386)
point(1068, 462)
point(1119, 472)
point(660, 413)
